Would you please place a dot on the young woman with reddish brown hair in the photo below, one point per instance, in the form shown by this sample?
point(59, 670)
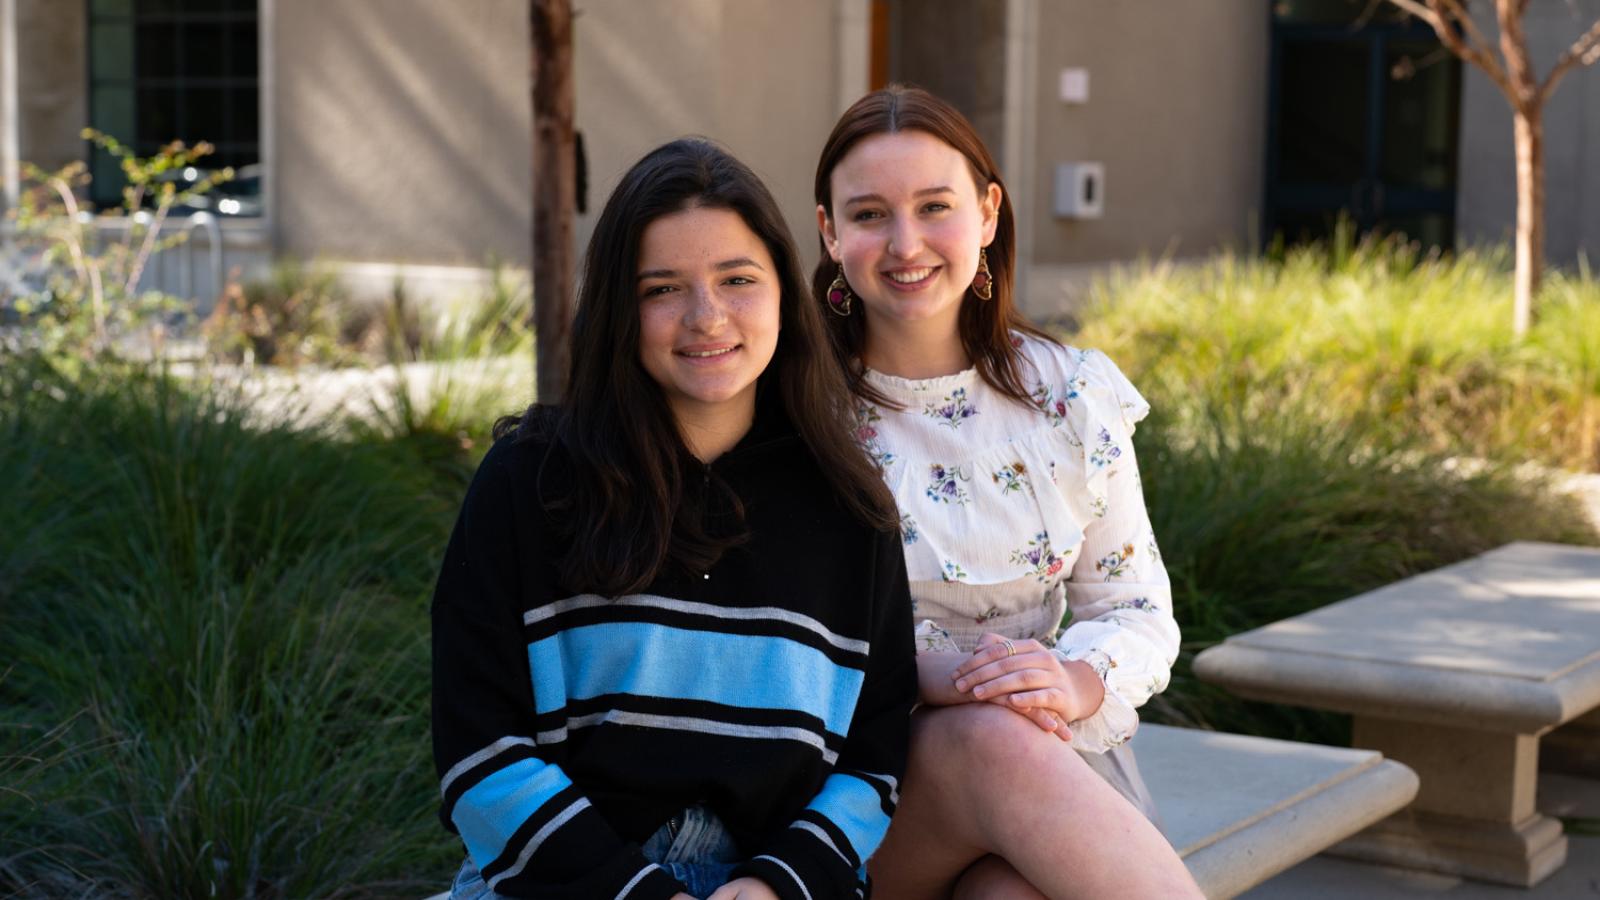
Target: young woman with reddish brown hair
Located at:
point(1010, 458)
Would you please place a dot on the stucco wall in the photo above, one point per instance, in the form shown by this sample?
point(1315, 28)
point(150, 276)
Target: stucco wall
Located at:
point(1176, 113)
point(401, 130)
point(53, 101)
point(1486, 204)
point(756, 75)
point(404, 125)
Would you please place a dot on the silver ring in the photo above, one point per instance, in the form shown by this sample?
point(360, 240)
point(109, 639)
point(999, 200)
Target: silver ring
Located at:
point(1011, 649)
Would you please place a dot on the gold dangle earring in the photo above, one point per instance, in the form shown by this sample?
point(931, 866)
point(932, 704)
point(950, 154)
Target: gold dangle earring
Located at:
point(983, 282)
point(839, 294)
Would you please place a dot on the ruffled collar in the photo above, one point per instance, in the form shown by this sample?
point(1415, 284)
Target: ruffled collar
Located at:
point(901, 389)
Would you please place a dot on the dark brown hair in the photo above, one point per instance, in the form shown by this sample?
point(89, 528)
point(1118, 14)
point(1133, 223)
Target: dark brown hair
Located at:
point(985, 325)
point(626, 510)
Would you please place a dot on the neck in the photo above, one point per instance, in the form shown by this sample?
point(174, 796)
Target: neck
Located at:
point(710, 430)
point(914, 349)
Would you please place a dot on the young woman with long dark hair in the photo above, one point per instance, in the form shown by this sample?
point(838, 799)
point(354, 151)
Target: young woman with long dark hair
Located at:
point(672, 638)
point(1011, 459)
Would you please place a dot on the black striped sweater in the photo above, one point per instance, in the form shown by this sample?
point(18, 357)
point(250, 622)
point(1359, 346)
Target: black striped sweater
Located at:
point(774, 689)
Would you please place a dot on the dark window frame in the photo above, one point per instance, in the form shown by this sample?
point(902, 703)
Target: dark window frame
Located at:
point(240, 140)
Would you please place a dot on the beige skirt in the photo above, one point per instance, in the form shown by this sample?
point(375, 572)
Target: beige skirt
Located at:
point(952, 616)
point(1118, 767)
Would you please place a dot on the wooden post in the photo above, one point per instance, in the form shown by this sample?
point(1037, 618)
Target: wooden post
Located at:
point(554, 193)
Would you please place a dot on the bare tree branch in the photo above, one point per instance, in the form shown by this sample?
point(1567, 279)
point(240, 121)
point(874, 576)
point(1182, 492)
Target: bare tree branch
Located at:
point(1584, 52)
point(1439, 14)
point(1519, 65)
point(1475, 37)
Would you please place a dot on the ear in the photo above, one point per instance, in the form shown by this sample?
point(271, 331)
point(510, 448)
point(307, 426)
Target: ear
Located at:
point(991, 212)
point(830, 237)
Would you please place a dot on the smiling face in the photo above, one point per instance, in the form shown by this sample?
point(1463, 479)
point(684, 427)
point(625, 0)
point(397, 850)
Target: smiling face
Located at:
point(907, 224)
point(708, 314)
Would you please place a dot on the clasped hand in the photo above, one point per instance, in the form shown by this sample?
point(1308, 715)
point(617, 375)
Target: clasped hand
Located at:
point(1025, 676)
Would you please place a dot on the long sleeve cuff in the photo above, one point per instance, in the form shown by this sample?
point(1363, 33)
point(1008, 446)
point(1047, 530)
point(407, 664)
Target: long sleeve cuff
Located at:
point(798, 866)
point(1116, 720)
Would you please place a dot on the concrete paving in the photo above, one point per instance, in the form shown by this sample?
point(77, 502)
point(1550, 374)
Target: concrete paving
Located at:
point(1563, 796)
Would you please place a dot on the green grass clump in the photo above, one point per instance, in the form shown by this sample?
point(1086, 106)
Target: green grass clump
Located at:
point(216, 646)
point(1376, 338)
point(1339, 419)
point(1258, 523)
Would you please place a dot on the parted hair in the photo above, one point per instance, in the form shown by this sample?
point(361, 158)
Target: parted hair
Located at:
point(986, 326)
point(626, 511)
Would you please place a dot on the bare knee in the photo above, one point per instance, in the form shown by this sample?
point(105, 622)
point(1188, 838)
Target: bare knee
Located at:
point(986, 740)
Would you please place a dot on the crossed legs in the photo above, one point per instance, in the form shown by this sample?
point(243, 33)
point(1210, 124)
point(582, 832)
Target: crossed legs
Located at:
point(993, 807)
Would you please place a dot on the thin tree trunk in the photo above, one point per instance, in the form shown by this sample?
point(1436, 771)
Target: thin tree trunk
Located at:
point(1528, 131)
point(554, 193)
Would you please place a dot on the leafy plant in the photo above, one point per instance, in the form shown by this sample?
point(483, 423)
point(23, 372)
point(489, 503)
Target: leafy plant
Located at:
point(82, 289)
point(295, 316)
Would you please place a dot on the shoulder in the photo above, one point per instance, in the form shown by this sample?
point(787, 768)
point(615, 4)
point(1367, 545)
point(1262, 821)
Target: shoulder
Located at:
point(1068, 373)
point(517, 472)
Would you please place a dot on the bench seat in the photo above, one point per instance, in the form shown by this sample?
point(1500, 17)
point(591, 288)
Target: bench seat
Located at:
point(1241, 809)
point(1457, 673)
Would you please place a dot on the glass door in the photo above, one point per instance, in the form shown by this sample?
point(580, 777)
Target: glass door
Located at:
point(1362, 120)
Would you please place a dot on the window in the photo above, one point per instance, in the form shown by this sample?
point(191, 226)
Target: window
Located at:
point(164, 70)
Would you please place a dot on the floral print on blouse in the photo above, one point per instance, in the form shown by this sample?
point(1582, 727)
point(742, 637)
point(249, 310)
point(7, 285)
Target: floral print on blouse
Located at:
point(1016, 516)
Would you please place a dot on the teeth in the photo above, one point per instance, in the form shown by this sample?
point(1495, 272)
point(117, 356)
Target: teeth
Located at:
point(702, 354)
point(910, 276)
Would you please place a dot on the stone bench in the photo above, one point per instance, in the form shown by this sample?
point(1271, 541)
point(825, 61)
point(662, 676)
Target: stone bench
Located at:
point(1239, 809)
point(1456, 673)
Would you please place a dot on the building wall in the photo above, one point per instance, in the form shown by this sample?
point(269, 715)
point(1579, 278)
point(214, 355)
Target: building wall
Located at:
point(404, 130)
point(52, 86)
point(1486, 204)
point(759, 76)
point(1176, 113)
point(401, 130)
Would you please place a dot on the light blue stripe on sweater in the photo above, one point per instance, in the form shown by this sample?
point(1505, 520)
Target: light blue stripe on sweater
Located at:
point(654, 660)
point(855, 807)
point(491, 811)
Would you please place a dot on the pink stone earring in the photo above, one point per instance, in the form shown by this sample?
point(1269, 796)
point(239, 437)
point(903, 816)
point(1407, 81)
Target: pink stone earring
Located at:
point(839, 295)
point(983, 283)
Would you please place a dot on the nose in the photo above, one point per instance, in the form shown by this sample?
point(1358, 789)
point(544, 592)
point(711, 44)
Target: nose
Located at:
point(905, 238)
point(706, 313)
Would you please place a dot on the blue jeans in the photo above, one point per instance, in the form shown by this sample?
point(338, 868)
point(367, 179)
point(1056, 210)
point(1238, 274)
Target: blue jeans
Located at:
point(694, 847)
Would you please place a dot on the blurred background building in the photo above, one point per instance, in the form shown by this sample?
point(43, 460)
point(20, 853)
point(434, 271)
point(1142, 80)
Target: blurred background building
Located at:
point(392, 137)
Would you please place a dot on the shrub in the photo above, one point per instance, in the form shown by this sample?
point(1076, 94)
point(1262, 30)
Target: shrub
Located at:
point(219, 648)
point(81, 288)
point(1374, 337)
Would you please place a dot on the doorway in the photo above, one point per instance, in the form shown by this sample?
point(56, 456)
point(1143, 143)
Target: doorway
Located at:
point(1362, 123)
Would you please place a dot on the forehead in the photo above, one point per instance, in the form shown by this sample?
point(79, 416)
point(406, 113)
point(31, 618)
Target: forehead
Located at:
point(898, 163)
point(698, 235)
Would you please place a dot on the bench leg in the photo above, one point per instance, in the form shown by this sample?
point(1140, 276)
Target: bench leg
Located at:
point(1574, 748)
point(1474, 814)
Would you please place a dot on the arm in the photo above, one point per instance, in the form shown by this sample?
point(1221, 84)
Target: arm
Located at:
point(1122, 632)
point(1121, 602)
point(527, 827)
point(819, 854)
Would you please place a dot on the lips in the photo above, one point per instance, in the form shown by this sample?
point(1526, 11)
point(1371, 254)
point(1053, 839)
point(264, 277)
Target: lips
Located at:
point(707, 351)
point(910, 277)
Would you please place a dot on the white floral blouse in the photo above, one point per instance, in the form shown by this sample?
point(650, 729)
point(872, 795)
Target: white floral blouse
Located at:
point(1012, 515)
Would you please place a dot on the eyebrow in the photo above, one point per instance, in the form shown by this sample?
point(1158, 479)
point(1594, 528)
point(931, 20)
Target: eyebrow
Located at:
point(878, 198)
point(741, 262)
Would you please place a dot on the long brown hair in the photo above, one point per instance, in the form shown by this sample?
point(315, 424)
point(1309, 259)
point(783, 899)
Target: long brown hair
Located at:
point(985, 326)
point(626, 510)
